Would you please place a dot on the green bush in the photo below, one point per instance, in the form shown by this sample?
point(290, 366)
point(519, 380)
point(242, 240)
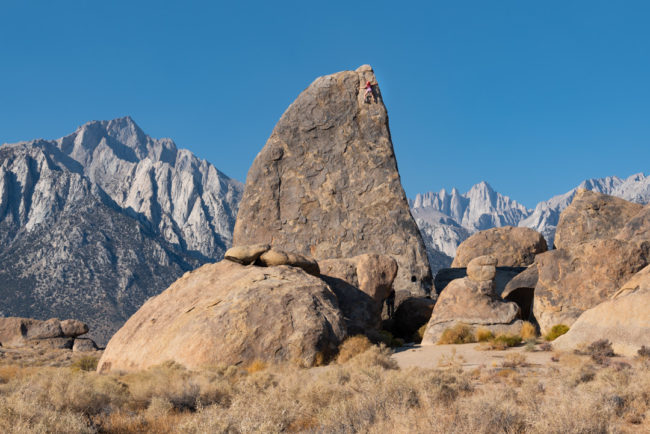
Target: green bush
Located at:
point(556, 331)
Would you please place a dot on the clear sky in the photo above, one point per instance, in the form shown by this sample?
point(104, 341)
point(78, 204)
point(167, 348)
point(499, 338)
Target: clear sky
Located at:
point(531, 96)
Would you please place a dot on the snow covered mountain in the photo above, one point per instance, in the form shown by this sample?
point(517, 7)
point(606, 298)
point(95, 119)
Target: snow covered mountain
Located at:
point(94, 223)
point(446, 220)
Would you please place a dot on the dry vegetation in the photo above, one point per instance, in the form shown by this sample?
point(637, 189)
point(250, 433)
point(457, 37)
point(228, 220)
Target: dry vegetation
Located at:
point(362, 391)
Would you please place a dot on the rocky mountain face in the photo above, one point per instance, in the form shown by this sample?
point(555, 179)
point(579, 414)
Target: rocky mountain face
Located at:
point(326, 183)
point(447, 219)
point(93, 224)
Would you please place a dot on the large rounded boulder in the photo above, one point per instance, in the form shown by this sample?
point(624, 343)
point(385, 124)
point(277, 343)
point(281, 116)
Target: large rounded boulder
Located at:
point(593, 216)
point(624, 320)
point(231, 314)
point(573, 280)
point(512, 246)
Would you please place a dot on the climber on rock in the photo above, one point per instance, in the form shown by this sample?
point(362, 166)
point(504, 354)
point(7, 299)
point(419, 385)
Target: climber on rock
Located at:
point(370, 93)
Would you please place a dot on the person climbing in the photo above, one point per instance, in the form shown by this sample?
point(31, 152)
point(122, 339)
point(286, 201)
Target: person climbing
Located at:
point(390, 304)
point(369, 92)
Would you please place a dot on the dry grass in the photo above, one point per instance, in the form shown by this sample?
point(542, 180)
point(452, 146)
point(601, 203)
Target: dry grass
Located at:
point(500, 343)
point(556, 331)
point(528, 331)
point(483, 335)
point(458, 334)
point(363, 393)
point(351, 347)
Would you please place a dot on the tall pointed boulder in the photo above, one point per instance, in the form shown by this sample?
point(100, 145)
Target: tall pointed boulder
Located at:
point(326, 183)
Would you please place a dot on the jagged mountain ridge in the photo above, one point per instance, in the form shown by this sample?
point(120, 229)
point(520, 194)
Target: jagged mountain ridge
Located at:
point(93, 224)
point(447, 219)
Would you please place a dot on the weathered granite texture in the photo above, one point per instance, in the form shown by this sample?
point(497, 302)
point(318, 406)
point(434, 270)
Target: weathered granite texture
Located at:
point(326, 183)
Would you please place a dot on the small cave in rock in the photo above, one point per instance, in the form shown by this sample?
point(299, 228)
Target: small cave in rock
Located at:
point(524, 298)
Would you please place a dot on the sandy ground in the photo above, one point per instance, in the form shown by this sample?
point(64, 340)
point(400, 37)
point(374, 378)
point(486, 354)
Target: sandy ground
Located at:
point(433, 356)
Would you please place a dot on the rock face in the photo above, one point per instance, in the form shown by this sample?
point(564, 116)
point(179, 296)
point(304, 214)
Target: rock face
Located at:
point(326, 183)
point(231, 314)
point(472, 300)
point(521, 290)
point(623, 319)
point(638, 227)
point(512, 246)
point(573, 280)
point(93, 224)
point(29, 332)
point(593, 216)
point(411, 314)
point(361, 285)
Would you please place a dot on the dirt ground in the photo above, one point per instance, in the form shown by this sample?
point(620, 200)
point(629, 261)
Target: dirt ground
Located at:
point(467, 355)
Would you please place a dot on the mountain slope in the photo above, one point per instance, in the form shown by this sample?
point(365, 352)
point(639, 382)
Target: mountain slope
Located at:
point(76, 241)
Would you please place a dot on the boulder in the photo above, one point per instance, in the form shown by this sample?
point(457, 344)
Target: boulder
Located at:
point(376, 274)
point(593, 216)
point(72, 328)
point(227, 313)
point(637, 228)
point(624, 320)
point(82, 345)
point(472, 300)
point(52, 343)
point(521, 290)
point(511, 246)
point(503, 276)
point(361, 284)
point(18, 332)
point(573, 280)
point(273, 257)
point(246, 254)
point(482, 268)
point(326, 183)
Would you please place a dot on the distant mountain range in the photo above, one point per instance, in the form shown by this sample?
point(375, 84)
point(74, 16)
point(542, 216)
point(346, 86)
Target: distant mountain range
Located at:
point(94, 223)
point(447, 219)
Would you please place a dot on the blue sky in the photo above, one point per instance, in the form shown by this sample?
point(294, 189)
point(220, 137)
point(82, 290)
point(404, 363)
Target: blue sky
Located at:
point(532, 97)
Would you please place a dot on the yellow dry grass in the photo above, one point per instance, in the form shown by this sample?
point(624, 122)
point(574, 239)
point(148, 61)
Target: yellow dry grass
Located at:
point(366, 393)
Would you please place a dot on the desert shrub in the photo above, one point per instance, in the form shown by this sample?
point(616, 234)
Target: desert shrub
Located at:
point(643, 352)
point(419, 335)
point(600, 351)
point(528, 331)
point(375, 356)
point(389, 340)
point(514, 360)
point(501, 342)
point(483, 335)
point(530, 345)
point(556, 331)
point(351, 347)
point(85, 363)
point(256, 366)
point(546, 347)
point(458, 334)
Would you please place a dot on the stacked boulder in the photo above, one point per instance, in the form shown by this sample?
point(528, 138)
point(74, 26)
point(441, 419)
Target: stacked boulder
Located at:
point(51, 334)
point(472, 300)
point(308, 195)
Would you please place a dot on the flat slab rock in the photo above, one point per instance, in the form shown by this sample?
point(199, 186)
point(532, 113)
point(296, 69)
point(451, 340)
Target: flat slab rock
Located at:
point(326, 183)
point(52, 333)
point(227, 313)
